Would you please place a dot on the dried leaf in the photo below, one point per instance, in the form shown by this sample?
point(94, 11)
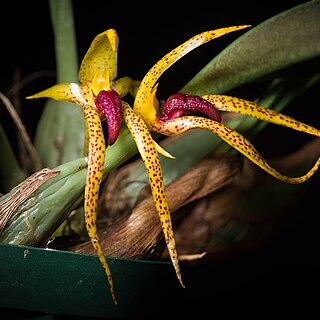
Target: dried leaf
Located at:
point(246, 211)
point(11, 201)
point(139, 234)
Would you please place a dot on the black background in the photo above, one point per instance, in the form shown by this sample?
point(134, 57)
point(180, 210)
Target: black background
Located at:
point(283, 272)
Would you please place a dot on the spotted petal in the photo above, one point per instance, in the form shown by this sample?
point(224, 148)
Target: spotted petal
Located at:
point(102, 55)
point(93, 180)
point(70, 92)
point(149, 155)
point(233, 138)
point(237, 105)
point(122, 86)
point(144, 102)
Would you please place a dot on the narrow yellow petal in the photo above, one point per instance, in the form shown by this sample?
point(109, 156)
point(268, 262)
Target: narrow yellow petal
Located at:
point(134, 87)
point(149, 155)
point(122, 86)
point(93, 180)
point(86, 142)
point(162, 151)
point(142, 102)
point(232, 104)
point(102, 55)
point(70, 92)
point(233, 138)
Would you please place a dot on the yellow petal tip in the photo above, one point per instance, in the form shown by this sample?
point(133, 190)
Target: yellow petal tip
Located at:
point(163, 151)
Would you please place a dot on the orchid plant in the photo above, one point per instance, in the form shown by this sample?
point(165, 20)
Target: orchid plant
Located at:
point(101, 97)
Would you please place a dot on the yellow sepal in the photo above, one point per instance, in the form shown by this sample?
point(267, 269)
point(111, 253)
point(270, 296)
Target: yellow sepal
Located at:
point(248, 108)
point(96, 156)
point(144, 105)
point(233, 138)
point(149, 155)
point(101, 55)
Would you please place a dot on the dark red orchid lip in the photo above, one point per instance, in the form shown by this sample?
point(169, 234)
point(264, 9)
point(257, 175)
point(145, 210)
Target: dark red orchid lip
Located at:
point(180, 104)
point(108, 103)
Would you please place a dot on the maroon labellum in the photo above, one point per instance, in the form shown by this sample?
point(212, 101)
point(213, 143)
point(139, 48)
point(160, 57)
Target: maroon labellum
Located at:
point(108, 103)
point(180, 104)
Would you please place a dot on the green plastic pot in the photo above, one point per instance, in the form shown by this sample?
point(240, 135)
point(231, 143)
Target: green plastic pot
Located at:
point(64, 283)
point(44, 284)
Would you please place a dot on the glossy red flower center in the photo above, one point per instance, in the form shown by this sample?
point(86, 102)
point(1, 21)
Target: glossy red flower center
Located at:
point(180, 104)
point(108, 104)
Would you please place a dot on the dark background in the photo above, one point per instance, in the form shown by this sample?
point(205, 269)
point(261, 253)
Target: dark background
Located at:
point(284, 271)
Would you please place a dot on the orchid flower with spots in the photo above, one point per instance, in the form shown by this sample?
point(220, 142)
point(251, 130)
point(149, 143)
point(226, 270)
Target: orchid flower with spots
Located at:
point(99, 95)
point(175, 117)
point(101, 99)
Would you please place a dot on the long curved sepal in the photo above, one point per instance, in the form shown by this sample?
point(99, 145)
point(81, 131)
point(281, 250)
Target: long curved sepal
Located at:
point(149, 155)
point(232, 137)
point(144, 103)
point(248, 108)
point(94, 175)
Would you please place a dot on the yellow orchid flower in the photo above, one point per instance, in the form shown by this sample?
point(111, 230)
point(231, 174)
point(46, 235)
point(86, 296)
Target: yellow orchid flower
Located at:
point(145, 118)
point(100, 95)
point(175, 117)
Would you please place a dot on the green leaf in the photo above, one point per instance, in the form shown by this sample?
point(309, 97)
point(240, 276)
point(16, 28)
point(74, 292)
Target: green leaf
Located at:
point(34, 221)
point(279, 42)
point(60, 131)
